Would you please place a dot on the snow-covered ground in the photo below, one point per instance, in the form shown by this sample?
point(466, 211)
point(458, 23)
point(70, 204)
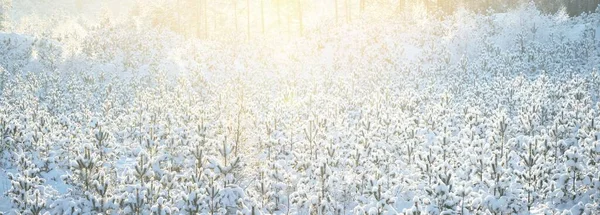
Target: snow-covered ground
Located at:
point(472, 114)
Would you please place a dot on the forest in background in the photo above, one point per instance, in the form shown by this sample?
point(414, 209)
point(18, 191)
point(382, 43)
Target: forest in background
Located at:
point(280, 19)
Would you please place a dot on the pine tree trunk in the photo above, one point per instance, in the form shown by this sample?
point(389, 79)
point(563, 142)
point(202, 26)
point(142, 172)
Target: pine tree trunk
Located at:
point(205, 20)
point(235, 15)
point(278, 14)
point(248, 18)
point(362, 6)
point(300, 17)
point(178, 25)
point(262, 15)
point(348, 12)
point(336, 11)
point(79, 5)
point(198, 17)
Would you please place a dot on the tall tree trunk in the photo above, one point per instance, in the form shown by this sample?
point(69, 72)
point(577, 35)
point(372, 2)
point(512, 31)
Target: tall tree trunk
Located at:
point(336, 11)
point(362, 6)
point(178, 25)
point(198, 23)
point(300, 17)
point(205, 20)
point(262, 15)
point(79, 5)
point(235, 15)
point(289, 31)
point(401, 5)
point(347, 5)
point(248, 18)
point(279, 13)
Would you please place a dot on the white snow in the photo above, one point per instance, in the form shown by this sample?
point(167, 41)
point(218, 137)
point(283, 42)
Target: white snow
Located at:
point(470, 114)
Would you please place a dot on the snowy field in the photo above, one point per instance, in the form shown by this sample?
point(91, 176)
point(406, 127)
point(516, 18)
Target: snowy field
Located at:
point(471, 114)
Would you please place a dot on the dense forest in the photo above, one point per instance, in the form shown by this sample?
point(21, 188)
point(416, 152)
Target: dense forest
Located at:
point(253, 18)
point(203, 17)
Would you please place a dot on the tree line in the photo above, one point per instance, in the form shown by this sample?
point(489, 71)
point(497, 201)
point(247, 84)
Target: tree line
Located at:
point(250, 18)
point(571, 7)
